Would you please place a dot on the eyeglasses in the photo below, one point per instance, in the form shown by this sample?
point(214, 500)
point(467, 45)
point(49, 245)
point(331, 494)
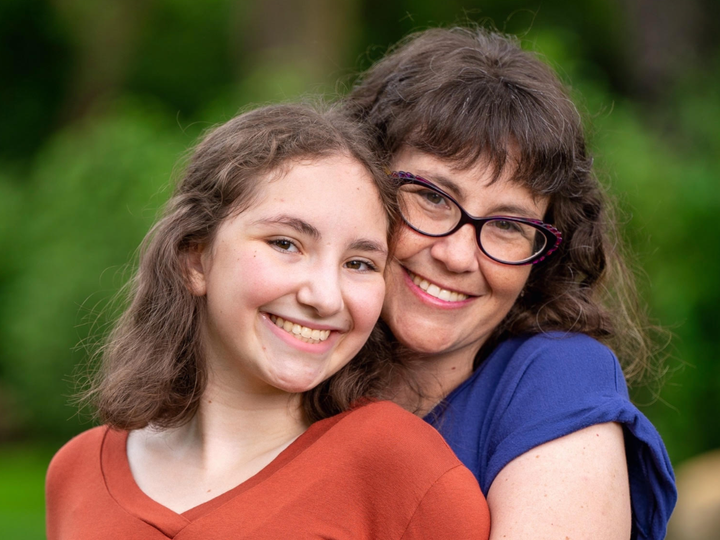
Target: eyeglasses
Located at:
point(430, 211)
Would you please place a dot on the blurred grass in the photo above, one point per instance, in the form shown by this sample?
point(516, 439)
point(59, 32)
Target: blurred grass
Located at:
point(22, 497)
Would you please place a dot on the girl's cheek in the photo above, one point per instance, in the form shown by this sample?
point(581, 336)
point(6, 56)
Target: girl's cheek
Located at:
point(366, 303)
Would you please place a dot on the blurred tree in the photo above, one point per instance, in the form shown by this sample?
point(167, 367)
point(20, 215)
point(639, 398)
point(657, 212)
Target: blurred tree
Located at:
point(665, 40)
point(35, 60)
point(105, 37)
point(104, 96)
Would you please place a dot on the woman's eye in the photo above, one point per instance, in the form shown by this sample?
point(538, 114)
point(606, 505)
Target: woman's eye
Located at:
point(432, 197)
point(362, 266)
point(509, 226)
point(283, 244)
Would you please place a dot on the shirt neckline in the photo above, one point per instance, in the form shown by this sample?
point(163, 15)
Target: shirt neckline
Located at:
point(124, 490)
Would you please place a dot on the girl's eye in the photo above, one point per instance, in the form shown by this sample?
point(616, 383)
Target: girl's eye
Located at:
point(361, 266)
point(283, 244)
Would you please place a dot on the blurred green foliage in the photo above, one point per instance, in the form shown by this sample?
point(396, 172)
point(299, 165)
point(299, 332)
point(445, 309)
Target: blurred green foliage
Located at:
point(22, 469)
point(99, 109)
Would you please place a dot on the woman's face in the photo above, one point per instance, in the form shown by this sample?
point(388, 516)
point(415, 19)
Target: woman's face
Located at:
point(420, 307)
point(294, 284)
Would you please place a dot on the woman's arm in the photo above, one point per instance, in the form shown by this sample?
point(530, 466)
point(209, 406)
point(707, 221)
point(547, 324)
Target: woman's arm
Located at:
point(575, 487)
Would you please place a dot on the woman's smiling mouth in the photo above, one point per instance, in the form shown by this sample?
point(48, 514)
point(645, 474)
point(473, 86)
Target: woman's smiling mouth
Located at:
point(435, 290)
point(303, 333)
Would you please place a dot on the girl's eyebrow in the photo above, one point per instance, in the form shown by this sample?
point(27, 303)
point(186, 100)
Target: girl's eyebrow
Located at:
point(295, 223)
point(368, 245)
point(303, 227)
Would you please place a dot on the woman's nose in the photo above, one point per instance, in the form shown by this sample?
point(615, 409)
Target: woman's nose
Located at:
point(459, 251)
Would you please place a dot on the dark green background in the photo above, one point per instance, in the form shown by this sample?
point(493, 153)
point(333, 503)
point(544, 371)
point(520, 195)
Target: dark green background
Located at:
point(99, 100)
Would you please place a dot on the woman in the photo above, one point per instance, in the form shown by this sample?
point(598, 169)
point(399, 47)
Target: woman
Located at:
point(501, 321)
point(261, 282)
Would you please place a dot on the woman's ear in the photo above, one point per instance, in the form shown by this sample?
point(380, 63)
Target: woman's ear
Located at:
point(195, 268)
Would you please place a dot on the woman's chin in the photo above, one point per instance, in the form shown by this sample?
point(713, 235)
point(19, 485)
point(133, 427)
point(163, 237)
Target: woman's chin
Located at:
point(427, 343)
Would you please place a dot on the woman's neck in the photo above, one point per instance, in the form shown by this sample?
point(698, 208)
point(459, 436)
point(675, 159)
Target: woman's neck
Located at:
point(431, 377)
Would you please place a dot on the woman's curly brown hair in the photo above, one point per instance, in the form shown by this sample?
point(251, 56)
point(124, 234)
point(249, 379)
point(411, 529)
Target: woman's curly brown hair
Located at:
point(466, 94)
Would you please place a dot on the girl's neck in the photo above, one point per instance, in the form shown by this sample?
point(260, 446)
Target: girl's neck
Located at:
point(234, 424)
point(233, 436)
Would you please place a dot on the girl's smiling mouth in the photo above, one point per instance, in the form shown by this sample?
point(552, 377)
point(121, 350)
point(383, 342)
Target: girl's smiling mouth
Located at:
point(303, 333)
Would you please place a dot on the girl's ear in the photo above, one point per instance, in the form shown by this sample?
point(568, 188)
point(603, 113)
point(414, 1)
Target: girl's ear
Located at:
point(195, 266)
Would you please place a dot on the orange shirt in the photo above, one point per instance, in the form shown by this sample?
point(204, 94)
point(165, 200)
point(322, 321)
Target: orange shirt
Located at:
point(375, 472)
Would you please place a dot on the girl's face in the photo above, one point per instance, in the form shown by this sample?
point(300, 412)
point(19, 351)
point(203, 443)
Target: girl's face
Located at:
point(294, 284)
point(423, 266)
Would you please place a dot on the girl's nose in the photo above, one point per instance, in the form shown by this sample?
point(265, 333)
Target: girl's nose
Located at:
point(320, 291)
point(459, 251)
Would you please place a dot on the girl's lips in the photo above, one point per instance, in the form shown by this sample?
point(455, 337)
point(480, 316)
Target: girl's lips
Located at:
point(424, 290)
point(302, 332)
point(297, 341)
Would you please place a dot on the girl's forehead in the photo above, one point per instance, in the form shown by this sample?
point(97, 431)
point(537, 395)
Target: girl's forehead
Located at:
point(335, 187)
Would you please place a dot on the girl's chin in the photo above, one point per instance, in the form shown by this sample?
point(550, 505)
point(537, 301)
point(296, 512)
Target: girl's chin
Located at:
point(293, 383)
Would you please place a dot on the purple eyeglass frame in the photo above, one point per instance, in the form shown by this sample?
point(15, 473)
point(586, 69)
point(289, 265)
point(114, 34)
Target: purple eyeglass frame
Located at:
point(551, 234)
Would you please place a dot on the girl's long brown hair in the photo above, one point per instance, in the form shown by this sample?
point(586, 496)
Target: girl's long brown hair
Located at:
point(152, 370)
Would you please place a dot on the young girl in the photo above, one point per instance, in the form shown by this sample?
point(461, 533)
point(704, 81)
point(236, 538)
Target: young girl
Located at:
point(263, 279)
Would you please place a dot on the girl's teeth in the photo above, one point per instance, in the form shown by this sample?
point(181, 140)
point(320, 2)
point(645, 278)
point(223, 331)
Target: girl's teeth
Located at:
point(437, 292)
point(303, 333)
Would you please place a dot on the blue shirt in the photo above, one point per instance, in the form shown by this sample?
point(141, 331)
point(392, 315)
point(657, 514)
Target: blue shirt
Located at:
point(533, 389)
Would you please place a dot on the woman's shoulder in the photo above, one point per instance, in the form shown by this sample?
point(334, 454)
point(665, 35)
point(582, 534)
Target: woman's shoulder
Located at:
point(556, 357)
point(573, 376)
point(557, 344)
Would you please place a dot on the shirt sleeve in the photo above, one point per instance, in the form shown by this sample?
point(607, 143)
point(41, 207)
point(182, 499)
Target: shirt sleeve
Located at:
point(554, 386)
point(453, 507)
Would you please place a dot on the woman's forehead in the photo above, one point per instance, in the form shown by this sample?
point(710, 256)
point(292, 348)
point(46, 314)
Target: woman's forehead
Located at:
point(479, 180)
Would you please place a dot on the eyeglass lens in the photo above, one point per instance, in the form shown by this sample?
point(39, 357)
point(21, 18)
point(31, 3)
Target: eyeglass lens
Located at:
point(431, 213)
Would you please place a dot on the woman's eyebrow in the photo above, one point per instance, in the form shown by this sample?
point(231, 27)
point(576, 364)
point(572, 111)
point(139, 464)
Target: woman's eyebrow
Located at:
point(446, 184)
point(295, 223)
point(512, 209)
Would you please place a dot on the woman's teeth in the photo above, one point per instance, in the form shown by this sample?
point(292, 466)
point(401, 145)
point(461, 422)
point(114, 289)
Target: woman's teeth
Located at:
point(303, 333)
point(437, 292)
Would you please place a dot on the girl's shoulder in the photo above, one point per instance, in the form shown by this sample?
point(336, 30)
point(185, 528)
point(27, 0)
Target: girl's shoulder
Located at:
point(387, 431)
point(78, 449)
point(76, 464)
point(401, 462)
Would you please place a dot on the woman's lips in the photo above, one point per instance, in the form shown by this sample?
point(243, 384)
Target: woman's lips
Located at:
point(435, 290)
point(431, 295)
